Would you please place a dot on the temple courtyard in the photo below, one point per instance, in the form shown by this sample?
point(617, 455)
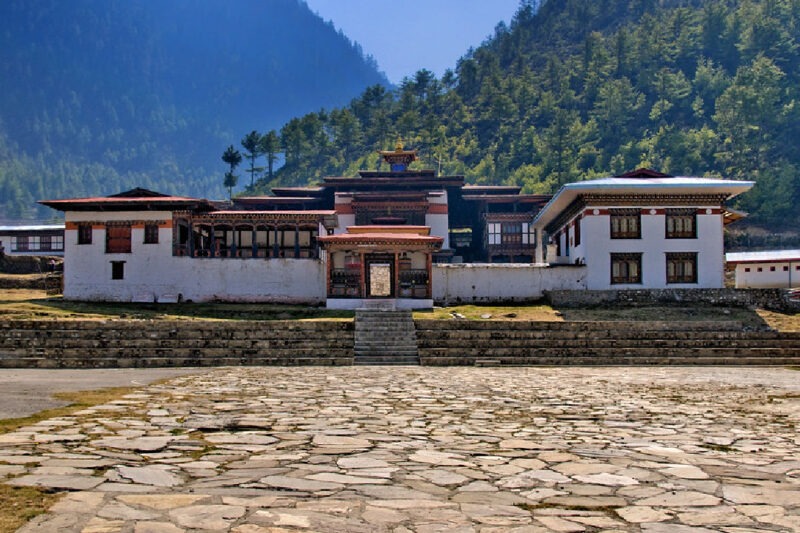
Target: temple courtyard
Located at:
point(420, 449)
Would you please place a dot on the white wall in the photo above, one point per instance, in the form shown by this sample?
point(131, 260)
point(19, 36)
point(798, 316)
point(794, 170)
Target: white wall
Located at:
point(483, 283)
point(439, 223)
point(440, 227)
point(152, 273)
point(767, 278)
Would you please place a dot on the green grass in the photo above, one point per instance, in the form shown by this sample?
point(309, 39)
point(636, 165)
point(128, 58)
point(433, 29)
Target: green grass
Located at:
point(33, 304)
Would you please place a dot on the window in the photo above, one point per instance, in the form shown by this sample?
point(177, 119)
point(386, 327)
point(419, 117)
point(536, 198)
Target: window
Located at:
point(747, 269)
point(118, 239)
point(681, 224)
point(45, 242)
point(577, 231)
point(84, 234)
point(117, 269)
point(511, 232)
point(21, 243)
point(57, 242)
point(682, 267)
point(772, 269)
point(151, 233)
point(786, 269)
point(760, 269)
point(626, 224)
point(528, 234)
point(494, 233)
point(626, 268)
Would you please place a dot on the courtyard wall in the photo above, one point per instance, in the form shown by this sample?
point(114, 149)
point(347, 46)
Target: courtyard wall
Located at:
point(502, 283)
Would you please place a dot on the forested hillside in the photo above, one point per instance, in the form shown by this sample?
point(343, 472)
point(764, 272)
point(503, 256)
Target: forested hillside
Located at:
point(573, 89)
point(97, 96)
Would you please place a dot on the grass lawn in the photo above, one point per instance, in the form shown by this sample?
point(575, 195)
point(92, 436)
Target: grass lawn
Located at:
point(28, 304)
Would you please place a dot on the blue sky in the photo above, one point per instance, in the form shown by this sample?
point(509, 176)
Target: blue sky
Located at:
point(408, 35)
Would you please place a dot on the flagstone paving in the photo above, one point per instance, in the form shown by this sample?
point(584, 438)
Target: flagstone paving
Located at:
point(414, 449)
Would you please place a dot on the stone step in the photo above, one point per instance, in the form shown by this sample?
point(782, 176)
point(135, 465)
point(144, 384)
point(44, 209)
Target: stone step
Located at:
point(385, 337)
point(604, 343)
point(388, 353)
point(387, 360)
point(610, 354)
point(619, 361)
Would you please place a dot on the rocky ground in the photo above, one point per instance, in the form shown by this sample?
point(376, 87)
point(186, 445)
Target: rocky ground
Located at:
point(253, 450)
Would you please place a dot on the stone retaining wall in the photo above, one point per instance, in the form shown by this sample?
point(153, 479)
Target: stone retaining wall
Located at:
point(151, 343)
point(490, 342)
point(157, 343)
point(774, 299)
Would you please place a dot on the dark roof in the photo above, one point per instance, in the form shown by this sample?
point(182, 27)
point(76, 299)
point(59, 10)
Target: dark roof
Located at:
point(643, 173)
point(132, 200)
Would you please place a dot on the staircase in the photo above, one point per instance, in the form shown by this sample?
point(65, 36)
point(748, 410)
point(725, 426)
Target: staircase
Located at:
point(385, 337)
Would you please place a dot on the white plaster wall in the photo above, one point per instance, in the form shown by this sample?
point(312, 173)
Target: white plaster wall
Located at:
point(477, 283)
point(344, 219)
point(344, 222)
point(440, 228)
point(152, 273)
point(653, 245)
point(767, 279)
point(367, 303)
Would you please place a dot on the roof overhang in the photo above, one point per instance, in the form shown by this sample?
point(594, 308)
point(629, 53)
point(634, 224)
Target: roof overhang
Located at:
point(643, 188)
point(772, 256)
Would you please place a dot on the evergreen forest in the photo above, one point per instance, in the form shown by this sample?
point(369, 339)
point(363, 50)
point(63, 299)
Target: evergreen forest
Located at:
point(575, 89)
point(101, 96)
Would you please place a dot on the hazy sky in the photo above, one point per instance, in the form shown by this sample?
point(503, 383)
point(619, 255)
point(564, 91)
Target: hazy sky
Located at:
point(407, 35)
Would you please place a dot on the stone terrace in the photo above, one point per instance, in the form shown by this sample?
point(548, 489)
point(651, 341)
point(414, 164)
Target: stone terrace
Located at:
point(421, 449)
point(163, 343)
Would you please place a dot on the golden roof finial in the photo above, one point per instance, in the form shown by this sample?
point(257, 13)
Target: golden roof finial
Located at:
point(398, 147)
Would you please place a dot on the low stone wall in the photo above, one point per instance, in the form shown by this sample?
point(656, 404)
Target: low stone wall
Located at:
point(156, 343)
point(27, 264)
point(773, 299)
point(495, 342)
point(502, 283)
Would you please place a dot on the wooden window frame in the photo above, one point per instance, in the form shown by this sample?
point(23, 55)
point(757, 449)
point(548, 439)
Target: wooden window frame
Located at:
point(627, 260)
point(150, 233)
point(676, 265)
point(680, 224)
point(625, 223)
point(84, 234)
point(118, 239)
point(511, 233)
point(20, 243)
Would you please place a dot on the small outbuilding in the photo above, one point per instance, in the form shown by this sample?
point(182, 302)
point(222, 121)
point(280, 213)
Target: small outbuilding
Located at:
point(767, 269)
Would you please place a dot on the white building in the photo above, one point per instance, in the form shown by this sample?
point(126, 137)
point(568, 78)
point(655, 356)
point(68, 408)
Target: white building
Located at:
point(382, 236)
point(769, 269)
point(40, 239)
point(642, 229)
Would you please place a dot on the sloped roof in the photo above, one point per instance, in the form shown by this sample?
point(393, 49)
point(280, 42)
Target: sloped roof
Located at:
point(637, 183)
point(767, 256)
point(133, 200)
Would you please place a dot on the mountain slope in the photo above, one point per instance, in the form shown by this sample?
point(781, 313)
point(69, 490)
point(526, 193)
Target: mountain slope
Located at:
point(100, 95)
point(574, 89)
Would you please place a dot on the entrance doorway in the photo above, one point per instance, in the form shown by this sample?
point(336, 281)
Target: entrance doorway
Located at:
point(380, 275)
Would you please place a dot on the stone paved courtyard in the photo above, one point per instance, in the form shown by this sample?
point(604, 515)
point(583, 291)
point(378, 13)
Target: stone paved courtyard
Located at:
point(253, 450)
